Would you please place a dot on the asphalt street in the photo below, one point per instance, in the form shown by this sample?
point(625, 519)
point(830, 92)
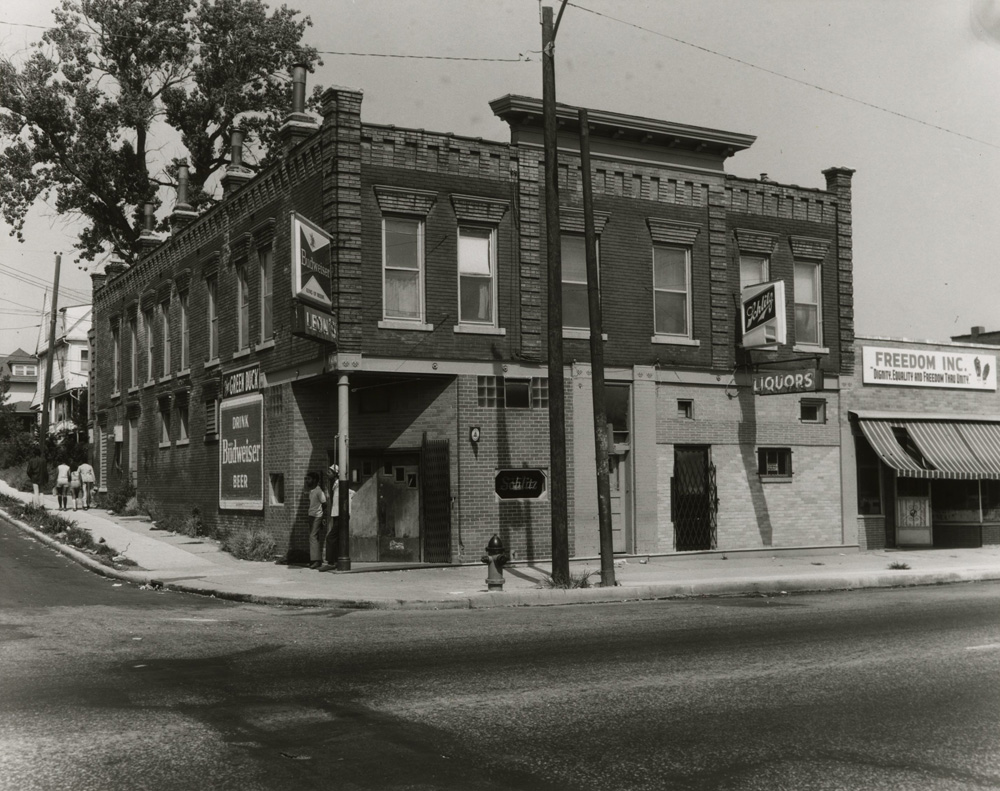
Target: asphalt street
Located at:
point(107, 686)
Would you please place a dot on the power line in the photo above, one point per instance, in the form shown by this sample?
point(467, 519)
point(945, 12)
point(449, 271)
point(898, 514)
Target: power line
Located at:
point(521, 57)
point(806, 83)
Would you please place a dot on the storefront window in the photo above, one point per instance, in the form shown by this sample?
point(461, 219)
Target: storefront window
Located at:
point(955, 501)
point(869, 485)
point(991, 500)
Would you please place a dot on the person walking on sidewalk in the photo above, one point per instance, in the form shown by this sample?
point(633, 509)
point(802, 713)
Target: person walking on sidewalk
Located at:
point(88, 480)
point(317, 499)
point(37, 476)
point(74, 486)
point(62, 485)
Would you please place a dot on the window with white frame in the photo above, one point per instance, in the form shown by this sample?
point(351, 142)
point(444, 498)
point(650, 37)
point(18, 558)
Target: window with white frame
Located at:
point(24, 370)
point(266, 293)
point(133, 353)
point(672, 290)
point(147, 327)
point(242, 308)
point(185, 335)
point(85, 361)
point(575, 307)
point(403, 268)
point(477, 275)
point(808, 314)
point(213, 318)
point(501, 392)
point(165, 330)
point(116, 351)
point(753, 269)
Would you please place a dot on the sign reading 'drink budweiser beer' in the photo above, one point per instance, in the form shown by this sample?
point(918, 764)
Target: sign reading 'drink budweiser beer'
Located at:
point(803, 380)
point(524, 484)
point(925, 368)
point(312, 263)
point(241, 452)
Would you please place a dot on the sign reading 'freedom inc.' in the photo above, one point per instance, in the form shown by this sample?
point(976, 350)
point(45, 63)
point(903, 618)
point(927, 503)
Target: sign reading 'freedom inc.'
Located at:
point(926, 368)
point(241, 452)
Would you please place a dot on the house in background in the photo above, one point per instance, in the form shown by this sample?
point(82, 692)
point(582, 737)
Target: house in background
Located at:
point(22, 370)
point(71, 371)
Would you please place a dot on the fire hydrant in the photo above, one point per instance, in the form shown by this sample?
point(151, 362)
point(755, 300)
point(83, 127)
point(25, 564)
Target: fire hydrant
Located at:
point(496, 559)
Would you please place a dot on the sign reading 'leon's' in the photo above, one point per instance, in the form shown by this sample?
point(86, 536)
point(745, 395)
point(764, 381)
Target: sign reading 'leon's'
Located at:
point(241, 452)
point(524, 484)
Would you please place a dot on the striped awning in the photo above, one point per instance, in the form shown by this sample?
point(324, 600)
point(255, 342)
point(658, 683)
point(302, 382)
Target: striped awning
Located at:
point(934, 447)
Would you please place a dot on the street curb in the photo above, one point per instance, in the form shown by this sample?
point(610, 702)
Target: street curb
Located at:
point(548, 597)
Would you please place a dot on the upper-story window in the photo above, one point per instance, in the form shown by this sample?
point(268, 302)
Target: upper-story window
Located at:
point(477, 275)
point(147, 327)
point(133, 352)
point(116, 356)
point(211, 285)
point(266, 293)
point(403, 268)
point(24, 370)
point(754, 269)
point(808, 312)
point(165, 330)
point(672, 290)
point(185, 334)
point(242, 308)
point(575, 307)
point(84, 361)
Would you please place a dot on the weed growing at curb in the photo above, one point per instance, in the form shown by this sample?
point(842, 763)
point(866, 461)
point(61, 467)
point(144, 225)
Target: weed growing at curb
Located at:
point(63, 530)
point(580, 580)
point(251, 544)
point(896, 565)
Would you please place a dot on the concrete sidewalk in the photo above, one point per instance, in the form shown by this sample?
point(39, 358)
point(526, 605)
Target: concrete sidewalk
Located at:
point(198, 565)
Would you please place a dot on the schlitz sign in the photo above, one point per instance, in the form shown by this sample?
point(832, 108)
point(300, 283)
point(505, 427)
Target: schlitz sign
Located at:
point(523, 484)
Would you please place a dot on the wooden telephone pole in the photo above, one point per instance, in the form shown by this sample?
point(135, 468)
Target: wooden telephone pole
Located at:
point(553, 248)
point(49, 363)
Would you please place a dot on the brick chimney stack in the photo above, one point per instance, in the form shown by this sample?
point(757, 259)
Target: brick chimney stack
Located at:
point(237, 174)
point(149, 239)
point(183, 214)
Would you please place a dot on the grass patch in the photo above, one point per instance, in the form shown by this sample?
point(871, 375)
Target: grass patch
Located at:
point(579, 580)
point(897, 566)
point(63, 530)
point(253, 544)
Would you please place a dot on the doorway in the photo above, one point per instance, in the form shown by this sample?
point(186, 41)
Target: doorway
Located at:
point(133, 451)
point(694, 500)
point(385, 511)
point(913, 513)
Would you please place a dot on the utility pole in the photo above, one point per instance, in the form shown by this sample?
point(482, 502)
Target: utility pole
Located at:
point(49, 360)
point(597, 364)
point(553, 247)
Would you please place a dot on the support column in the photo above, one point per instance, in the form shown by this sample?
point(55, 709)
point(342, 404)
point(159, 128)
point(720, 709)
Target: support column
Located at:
point(344, 476)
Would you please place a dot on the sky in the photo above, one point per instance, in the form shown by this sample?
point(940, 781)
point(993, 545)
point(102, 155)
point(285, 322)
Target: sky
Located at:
point(902, 91)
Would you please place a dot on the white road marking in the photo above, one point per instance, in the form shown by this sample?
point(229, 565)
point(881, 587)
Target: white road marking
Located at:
point(987, 647)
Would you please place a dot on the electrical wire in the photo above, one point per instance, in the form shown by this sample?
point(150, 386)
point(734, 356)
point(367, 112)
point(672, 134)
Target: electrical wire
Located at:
point(774, 73)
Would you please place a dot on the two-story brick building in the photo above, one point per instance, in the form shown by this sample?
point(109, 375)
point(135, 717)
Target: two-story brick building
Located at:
point(384, 288)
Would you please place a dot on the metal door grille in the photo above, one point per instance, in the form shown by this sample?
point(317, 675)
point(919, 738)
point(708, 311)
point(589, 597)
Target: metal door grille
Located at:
point(694, 500)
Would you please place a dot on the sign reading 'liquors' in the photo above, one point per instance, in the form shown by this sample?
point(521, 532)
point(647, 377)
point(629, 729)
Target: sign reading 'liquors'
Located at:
point(241, 452)
point(524, 484)
point(803, 380)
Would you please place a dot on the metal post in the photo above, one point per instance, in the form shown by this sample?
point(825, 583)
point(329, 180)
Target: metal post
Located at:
point(344, 465)
point(557, 395)
point(49, 360)
point(597, 365)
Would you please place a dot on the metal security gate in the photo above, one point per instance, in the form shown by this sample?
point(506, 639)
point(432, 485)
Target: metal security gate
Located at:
point(694, 501)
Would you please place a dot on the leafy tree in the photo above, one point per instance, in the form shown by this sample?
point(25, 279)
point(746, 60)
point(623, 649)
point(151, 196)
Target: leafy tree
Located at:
point(8, 412)
point(84, 118)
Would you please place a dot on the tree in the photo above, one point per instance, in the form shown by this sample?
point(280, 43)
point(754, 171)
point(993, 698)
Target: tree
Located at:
point(84, 119)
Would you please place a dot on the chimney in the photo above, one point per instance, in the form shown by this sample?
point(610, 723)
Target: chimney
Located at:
point(298, 125)
point(977, 331)
point(113, 268)
point(149, 240)
point(182, 214)
point(97, 281)
point(237, 174)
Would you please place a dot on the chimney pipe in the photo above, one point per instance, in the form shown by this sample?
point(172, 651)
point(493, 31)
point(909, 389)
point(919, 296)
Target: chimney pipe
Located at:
point(299, 88)
point(236, 148)
point(182, 185)
point(977, 331)
point(148, 218)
